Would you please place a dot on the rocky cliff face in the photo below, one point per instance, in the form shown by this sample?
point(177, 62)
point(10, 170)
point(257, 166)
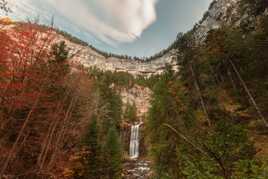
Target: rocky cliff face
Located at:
point(220, 13)
point(225, 13)
point(89, 58)
point(139, 96)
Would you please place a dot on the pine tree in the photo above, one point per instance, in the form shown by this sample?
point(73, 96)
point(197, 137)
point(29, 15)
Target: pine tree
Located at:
point(92, 161)
point(113, 154)
point(163, 110)
point(60, 51)
point(59, 69)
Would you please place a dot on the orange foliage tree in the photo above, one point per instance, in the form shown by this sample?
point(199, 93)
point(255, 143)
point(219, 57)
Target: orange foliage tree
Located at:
point(36, 101)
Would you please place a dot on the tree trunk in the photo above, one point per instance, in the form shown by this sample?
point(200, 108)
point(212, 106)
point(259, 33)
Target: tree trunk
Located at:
point(249, 93)
point(200, 95)
point(14, 146)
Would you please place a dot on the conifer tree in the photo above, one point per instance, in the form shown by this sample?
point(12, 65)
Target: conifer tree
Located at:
point(163, 110)
point(60, 51)
point(92, 161)
point(113, 154)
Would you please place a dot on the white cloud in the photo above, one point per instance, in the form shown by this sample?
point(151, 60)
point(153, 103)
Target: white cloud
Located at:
point(114, 20)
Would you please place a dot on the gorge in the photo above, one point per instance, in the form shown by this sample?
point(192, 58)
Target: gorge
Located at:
point(197, 109)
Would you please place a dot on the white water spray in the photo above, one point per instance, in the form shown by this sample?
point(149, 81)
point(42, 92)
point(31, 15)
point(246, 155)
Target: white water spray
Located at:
point(134, 141)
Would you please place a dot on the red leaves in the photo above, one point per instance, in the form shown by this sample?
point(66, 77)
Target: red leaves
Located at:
point(23, 51)
point(37, 100)
point(28, 97)
point(5, 41)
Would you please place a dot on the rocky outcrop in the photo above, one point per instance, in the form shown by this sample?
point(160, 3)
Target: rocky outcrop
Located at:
point(90, 58)
point(220, 12)
point(137, 169)
point(225, 13)
point(139, 96)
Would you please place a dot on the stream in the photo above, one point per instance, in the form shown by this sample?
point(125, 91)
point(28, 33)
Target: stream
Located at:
point(135, 167)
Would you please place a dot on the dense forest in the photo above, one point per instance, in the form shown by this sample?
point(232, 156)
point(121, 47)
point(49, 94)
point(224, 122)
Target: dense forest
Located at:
point(209, 120)
point(206, 121)
point(52, 118)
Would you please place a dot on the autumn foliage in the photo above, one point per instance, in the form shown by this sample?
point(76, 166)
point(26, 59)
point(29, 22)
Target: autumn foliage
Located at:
point(38, 97)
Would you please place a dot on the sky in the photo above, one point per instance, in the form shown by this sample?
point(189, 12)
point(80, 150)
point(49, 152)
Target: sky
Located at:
point(133, 27)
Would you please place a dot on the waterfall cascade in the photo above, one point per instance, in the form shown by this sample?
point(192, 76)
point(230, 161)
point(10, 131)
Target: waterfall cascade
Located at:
point(134, 141)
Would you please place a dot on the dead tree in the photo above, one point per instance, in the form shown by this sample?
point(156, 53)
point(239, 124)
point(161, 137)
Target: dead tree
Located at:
point(251, 98)
point(203, 104)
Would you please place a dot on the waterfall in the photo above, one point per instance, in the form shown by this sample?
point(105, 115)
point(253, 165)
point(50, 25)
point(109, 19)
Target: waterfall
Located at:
point(134, 141)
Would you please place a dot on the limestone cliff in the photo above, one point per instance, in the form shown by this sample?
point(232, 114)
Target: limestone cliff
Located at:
point(220, 13)
point(138, 96)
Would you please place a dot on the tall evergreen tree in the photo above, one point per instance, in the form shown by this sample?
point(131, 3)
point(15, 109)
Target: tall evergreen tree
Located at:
point(60, 51)
point(92, 160)
point(113, 154)
point(163, 110)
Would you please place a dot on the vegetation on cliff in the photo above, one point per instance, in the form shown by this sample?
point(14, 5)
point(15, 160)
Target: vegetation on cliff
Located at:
point(47, 104)
point(208, 120)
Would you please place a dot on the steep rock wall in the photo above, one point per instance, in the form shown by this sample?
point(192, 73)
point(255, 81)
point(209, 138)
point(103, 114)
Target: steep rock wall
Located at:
point(220, 13)
point(226, 13)
point(90, 58)
point(139, 96)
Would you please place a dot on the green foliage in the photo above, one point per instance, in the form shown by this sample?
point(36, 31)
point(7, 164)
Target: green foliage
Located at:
point(257, 7)
point(111, 104)
point(130, 113)
point(164, 109)
point(251, 169)
point(217, 154)
point(92, 160)
point(58, 64)
point(222, 150)
point(60, 52)
point(59, 69)
point(225, 146)
point(247, 53)
point(113, 153)
point(120, 79)
point(147, 82)
point(102, 140)
point(104, 157)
